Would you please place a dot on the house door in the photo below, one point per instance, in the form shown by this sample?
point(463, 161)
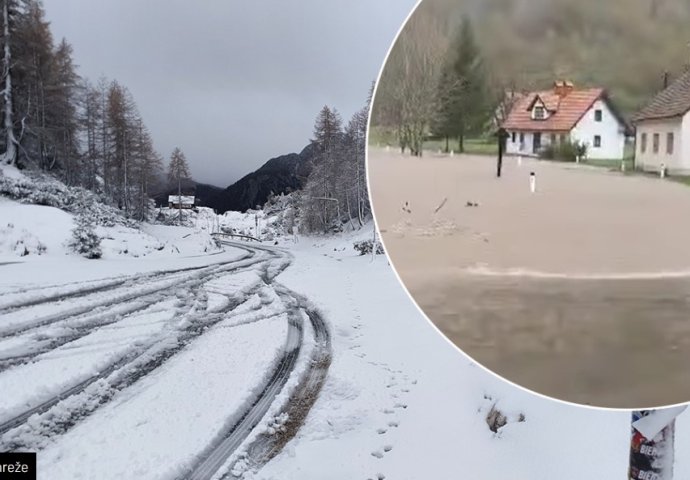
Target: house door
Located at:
point(536, 142)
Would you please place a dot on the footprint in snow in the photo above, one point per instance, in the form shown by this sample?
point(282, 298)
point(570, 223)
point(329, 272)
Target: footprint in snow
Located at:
point(400, 405)
point(388, 411)
point(381, 431)
point(387, 448)
point(377, 454)
point(394, 424)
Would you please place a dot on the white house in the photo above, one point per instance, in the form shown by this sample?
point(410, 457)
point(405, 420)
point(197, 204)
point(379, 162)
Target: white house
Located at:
point(562, 114)
point(181, 201)
point(663, 130)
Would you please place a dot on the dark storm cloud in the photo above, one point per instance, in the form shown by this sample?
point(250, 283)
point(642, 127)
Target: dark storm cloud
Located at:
point(232, 83)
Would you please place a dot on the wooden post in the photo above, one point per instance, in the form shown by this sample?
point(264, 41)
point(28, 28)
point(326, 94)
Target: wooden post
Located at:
point(532, 182)
point(502, 137)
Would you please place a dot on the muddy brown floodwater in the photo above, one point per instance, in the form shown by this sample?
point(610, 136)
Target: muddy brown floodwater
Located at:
point(580, 291)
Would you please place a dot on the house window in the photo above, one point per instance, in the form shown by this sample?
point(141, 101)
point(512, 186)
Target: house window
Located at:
point(669, 143)
point(598, 115)
point(597, 141)
point(539, 113)
point(553, 139)
point(522, 137)
point(655, 143)
point(643, 143)
point(562, 138)
point(514, 136)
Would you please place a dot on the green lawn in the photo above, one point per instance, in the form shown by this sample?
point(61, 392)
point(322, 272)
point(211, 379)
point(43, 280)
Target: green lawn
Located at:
point(477, 146)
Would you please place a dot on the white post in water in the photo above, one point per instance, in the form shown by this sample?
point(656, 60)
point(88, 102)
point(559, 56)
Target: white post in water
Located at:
point(623, 166)
point(532, 182)
point(452, 153)
point(662, 170)
point(519, 160)
point(651, 444)
point(577, 159)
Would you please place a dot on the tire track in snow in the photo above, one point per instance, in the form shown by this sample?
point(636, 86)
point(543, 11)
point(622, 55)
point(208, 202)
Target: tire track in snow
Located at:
point(266, 446)
point(139, 363)
point(140, 293)
point(219, 452)
point(214, 457)
point(59, 414)
point(121, 374)
point(82, 288)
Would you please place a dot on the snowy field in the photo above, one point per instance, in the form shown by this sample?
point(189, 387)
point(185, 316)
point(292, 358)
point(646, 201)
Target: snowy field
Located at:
point(584, 279)
point(185, 364)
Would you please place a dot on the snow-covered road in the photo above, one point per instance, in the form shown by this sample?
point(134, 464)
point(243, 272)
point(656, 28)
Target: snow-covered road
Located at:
point(196, 356)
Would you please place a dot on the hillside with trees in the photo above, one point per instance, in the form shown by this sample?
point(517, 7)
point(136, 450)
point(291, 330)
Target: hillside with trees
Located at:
point(54, 122)
point(630, 47)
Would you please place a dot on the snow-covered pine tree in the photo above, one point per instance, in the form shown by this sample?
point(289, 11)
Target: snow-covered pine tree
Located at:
point(321, 206)
point(147, 166)
point(178, 171)
point(84, 240)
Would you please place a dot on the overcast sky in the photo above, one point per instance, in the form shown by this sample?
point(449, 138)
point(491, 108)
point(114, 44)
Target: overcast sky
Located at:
point(233, 83)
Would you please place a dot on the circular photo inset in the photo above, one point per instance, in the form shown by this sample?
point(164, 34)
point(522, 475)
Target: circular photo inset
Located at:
point(530, 176)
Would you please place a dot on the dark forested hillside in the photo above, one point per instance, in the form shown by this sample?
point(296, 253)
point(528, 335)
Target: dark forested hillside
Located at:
point(279, 175)
point(624, 45)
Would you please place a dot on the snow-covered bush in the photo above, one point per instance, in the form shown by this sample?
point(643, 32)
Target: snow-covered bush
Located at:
point(45, 190)
point(84, 240)
point(364, 247)
point(20, 241)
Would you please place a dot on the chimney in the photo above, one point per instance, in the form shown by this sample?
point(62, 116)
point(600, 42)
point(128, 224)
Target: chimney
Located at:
point(563, 87)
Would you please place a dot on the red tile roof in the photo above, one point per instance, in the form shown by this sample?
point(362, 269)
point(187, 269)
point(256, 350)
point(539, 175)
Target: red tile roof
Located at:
point(565, 111)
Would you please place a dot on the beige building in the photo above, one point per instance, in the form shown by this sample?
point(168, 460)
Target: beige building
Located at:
point(663, 130)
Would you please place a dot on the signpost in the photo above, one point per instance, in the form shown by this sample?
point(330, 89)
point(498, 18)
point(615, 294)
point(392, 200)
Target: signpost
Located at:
point(651, 444)
point(502, 137)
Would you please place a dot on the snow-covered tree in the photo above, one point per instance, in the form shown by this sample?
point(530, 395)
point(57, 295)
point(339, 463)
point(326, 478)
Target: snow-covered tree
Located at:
point(178, 171)
point(335, 194)
point(84, 240)
point(9, 156)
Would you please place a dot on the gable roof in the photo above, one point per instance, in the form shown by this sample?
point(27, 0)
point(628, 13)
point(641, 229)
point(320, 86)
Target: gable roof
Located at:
point(566, 110)
point(673, 101)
